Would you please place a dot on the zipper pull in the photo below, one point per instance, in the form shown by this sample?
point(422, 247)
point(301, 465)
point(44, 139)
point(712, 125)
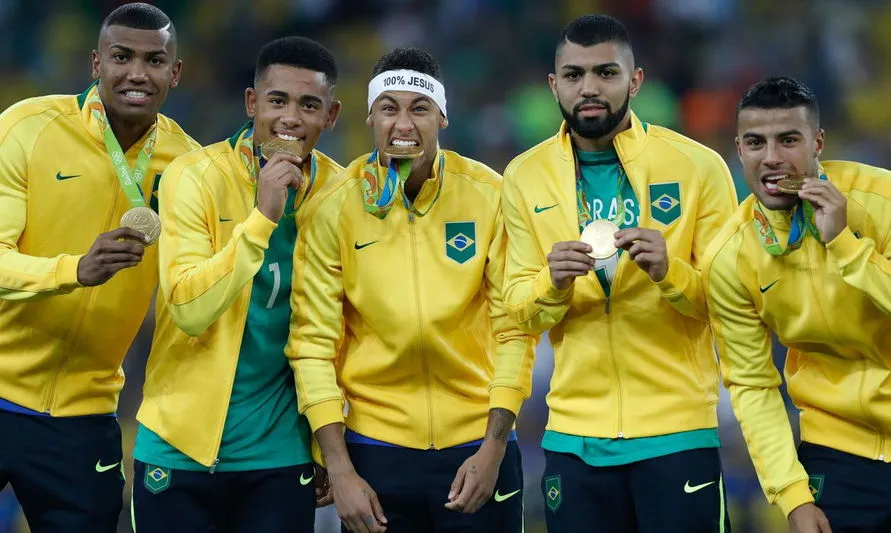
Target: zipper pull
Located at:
point(411, 216)
point(607, 305)
point(213, 467)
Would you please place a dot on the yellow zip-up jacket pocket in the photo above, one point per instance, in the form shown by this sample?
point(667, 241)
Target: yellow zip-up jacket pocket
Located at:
point(61, 345)
point(212, 244)
point(641, 362)
point(829, 304)
point(403, 317)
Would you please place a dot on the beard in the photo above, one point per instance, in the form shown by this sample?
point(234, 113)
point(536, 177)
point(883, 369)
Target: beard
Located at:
point(595, 127)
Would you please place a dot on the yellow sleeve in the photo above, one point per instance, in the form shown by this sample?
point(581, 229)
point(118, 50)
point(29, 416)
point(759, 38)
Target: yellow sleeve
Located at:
point(744, 347)
point(199, 285)
point(682, 286)
point(529, 296)
point(514, 350)
point(317, 315)
point(863, 266)
point(25, 277)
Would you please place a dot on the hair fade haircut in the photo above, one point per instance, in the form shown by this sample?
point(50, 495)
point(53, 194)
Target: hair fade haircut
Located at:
point(780, 92)
point(589, 30)
point(140, 16)
point(299, 52)
point(409, 59)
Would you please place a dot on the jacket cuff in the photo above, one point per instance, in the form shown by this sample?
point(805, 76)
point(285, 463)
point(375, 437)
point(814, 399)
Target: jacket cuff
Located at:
point(793, 496)
point(844, 246)
point(324, 413)
point(258, 228)
point(66, 272)
point(676, 279)
point(501, 397)
point(545, 290)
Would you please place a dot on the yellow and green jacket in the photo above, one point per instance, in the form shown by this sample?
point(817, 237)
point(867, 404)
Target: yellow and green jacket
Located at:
point(641, 362)
point(830, 305)
point(404, 317)
point(61, 345)
point(213, 240)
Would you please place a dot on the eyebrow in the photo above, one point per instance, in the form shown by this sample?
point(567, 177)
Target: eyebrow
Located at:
point(420, 98)
point(275, 92)
point(611, 64)
point(133, 52)
point(787, 133)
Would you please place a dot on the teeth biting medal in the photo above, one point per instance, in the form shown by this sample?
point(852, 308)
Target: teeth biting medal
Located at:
point(276, 145)
point(790, 184)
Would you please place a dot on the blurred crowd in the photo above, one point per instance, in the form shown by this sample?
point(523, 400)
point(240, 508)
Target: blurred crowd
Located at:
point(697, 55)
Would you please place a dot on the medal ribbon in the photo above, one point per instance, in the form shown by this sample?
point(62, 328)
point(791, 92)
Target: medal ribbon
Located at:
point(128, 178)
point(802, 224)
point(584, 207)
point(379, 185)
point(252, 160)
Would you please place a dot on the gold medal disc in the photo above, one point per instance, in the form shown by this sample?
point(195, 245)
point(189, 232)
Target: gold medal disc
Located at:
point(600, 235)
point(144, 220)
point(404, 152)
point(278, 145)
point(790, 185)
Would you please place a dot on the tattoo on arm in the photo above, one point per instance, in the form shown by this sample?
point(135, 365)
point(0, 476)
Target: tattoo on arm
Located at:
point(501, 421)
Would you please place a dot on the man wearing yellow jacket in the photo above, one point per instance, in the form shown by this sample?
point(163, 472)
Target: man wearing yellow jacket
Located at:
point(811, 265)
point(221, 445)
point(631, 441)
point(74, 287)
point(398, 311)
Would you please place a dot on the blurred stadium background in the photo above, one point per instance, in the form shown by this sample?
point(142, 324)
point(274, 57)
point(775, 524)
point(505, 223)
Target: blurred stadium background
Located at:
point(698, 55)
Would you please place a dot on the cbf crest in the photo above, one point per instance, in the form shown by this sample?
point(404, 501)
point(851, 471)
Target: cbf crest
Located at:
point(665, 202)
point(460, 241)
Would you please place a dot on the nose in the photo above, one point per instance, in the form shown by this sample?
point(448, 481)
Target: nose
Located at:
point(291, 118)
point(590, 88)
point(772, 156)
point(137, 73)
point(404, 123)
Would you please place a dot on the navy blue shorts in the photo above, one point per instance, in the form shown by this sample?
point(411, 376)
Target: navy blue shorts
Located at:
point(66, 472)
point(853, 491)
point(677, 493)
point(413, 488)
point(274, 500)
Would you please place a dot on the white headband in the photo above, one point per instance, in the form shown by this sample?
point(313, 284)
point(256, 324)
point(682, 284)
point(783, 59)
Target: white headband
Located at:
point(407, 80)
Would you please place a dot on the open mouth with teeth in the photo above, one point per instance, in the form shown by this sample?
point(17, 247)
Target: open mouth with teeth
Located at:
point(783, 183)
point(136, 96)
point(399, 149)
point(282, 143)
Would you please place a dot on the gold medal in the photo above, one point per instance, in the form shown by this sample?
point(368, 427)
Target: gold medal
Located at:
point(278, 145)
point(144, 220)
point(790, 184)
point(403, 152)
point(600, 235)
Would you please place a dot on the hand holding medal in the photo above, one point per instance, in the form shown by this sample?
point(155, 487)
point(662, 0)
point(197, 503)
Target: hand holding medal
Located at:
point(281, 172)
point(647, 249)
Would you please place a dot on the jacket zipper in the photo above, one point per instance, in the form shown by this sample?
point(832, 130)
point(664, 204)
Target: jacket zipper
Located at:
point(87, 297)
point(421, 353)
point(612, 356)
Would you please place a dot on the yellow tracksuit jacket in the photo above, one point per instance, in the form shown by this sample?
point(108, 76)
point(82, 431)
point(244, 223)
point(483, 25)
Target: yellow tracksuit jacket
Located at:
point(829, 304)
point(61, 346)
point(641, 363)
point(212, 244)
point(427, 348)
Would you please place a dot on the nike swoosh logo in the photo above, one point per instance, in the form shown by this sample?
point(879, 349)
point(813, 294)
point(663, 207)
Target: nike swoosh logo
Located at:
point(358, 246)
point(60, 177)
point(100, 468)
point(225, 219)
point(540, 209)
point(690, 490)
point(765, 289)
point(501, 497)
point(305, 481)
